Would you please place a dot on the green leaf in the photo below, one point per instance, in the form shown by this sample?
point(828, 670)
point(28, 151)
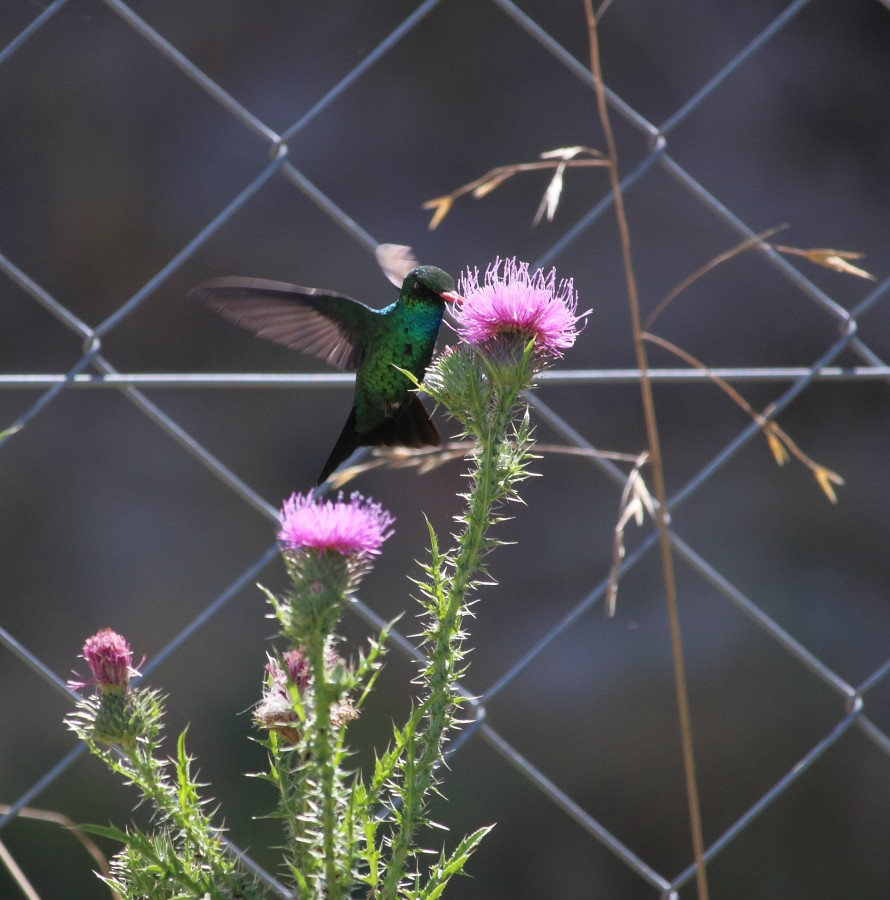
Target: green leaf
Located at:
point(409, 375)
point(107, 831)
point(187, 792)
point(454, 865)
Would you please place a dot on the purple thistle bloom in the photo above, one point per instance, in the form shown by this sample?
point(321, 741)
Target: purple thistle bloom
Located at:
point(514, 302)
point(298, 668)
point(110, 660)
point(356, 527)
point(275, 710)
point(277, 677)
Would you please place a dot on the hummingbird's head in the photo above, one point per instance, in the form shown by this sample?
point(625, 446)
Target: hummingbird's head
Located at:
point(430, 280)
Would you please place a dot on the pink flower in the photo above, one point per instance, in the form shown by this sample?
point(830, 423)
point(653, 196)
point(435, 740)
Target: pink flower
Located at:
point(356, 527)
point(110, 660)
point(516, 303)
point(275, 711)
point(298, 668)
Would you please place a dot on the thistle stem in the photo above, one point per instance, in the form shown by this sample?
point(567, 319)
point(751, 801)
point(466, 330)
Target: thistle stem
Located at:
point(325, 765)
point(424, 748)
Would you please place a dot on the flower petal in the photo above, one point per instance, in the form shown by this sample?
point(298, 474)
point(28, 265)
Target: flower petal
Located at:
point(512, 300)
point(356, 526)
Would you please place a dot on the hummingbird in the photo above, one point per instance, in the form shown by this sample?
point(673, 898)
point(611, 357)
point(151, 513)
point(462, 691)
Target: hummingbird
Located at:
point(374, 343)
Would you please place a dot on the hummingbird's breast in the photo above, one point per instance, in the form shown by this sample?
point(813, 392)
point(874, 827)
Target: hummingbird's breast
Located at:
point(406, 340)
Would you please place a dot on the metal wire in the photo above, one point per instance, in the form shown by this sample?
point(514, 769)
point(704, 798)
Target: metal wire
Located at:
point(314, 381)
point(105, 377)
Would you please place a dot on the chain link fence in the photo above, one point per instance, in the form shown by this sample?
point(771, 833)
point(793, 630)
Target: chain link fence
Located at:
point(151, 144)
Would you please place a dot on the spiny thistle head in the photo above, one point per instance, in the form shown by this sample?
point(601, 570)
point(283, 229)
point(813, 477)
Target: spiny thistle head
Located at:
point(280, 711)
point(117, 714)
point(298, 668)
point(512, 325)
point(513, 306)
point(275, 711)
point(354, 527)
point(110, 660)
point(328, 546)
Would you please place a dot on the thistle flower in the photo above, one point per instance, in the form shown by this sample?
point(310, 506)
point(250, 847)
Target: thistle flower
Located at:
point(276, 712)
point(110, 661)
point(356, 527)
point(328, 546)
point(512, 304)
point(116, 715)
point(298, 668)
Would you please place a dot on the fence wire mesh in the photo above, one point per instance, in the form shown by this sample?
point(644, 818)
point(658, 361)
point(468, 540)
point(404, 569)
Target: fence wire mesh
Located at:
point(139, 157)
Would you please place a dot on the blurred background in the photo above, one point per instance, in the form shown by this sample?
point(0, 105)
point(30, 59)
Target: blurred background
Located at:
point(113, 159)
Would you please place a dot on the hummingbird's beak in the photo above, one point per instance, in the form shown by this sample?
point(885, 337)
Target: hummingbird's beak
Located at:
point(452, 297)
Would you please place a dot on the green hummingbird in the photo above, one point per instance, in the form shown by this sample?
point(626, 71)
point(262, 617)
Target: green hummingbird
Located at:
point(374, 343)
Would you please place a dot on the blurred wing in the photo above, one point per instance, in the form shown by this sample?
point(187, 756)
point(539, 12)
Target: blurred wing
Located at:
point(327, 325)
point(396, 260)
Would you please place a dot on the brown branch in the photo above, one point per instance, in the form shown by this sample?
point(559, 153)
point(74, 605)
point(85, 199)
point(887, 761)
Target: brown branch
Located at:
point(429, 458)
point(635, 502)
point(558, 160)
point(707, 267)
point(656, 463)
point(57, 818)
point(837, 260)
point(780, 442)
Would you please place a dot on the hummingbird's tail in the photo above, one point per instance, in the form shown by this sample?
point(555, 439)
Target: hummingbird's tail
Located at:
point(410, 428)
point(346, 445)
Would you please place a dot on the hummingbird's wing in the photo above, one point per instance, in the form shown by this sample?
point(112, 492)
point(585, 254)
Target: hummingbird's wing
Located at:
point(328, 325)
point(396, 260)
